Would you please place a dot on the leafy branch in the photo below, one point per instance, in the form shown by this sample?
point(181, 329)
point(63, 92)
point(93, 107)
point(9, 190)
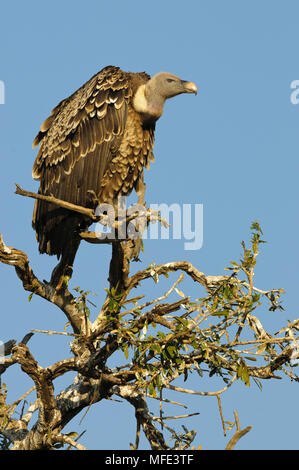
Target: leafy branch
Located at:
point(217, 333)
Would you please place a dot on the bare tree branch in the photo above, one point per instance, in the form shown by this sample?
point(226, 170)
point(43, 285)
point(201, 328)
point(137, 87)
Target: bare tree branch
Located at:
point(59, 202)
point(143, 416)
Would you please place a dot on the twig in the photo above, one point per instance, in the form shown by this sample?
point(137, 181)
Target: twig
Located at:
point(165, 400)
point(221, 414)
point(236, 437)
point(15, 403)
point(238, 434)
point(157, 418)
point(138, 427)
point(185, 266)
point(204, 394)
point(237, 421)
point(59, 202)
point(64, 439)
point(32, 408)
point(151, 302)
point(49, 332)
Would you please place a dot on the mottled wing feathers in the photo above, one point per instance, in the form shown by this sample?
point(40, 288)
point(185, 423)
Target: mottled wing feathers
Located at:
point(77, 142)
point(96, 113)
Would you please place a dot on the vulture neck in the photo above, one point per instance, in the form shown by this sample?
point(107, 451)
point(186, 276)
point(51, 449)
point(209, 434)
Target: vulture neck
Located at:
point(149, 104)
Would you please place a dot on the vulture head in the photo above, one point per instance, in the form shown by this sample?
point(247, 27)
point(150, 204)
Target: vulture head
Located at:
point(167, 85)
point(150, 98)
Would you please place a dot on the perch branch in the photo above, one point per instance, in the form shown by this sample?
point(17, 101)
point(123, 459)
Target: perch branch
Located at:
point(59, 202)
point(95, 239)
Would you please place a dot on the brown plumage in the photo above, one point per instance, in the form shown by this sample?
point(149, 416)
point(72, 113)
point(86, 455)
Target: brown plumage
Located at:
point(97, 141)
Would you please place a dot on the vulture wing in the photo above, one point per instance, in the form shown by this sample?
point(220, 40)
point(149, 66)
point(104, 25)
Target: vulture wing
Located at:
point(77, 142)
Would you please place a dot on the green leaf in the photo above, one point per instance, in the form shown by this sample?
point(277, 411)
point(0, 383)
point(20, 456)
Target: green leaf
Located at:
point(171, 351)
point(179, 292)
point(183, 321)
point(258, 383)
point(250, 358)
point(156, 348)
point(245, 377)
point(256, 297)
point(152, 390)
point(161, 335)
point(126, 351)
point(159, 383)
point(145, 328)
point(242, 373)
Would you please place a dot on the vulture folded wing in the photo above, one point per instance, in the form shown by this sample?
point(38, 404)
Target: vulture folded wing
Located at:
point(77, 142)
point(82, 132)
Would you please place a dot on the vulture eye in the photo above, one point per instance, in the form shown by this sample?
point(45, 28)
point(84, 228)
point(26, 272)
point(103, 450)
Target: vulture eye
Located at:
point(169, 80)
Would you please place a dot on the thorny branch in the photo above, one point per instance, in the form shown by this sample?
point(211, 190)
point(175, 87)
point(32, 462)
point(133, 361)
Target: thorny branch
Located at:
point(216, 334)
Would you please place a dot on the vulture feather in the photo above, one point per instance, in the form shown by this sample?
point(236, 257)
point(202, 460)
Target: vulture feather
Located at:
point(97, 141)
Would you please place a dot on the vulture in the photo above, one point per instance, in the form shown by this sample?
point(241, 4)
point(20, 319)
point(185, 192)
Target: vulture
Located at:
point(93, 148)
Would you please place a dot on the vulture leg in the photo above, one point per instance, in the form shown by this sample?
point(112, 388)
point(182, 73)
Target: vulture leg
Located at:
point(135, 244)
point(64, 269)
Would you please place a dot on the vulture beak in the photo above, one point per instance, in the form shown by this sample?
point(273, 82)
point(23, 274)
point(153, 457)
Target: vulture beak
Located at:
point(189, 87)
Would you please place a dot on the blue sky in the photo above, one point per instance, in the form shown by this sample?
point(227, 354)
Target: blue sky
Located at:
point(233, 148)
